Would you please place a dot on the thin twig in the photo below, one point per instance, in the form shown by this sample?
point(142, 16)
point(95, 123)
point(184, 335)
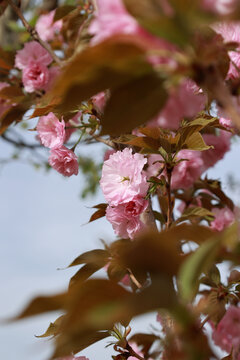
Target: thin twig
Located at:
point(134, 280)
point(20, 143)
point(105, 141)
point(94, 2)
point(34, 33)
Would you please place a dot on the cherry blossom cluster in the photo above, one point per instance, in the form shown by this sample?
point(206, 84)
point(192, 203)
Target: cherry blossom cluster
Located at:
point(35, 61)
point(124, 185)
point(53, 135)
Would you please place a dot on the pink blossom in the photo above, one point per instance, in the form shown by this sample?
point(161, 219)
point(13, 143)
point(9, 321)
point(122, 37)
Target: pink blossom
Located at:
point(230, 31)
point(186, 172)
point(184, 102)
point(125, 218)
point(108, 153)
point(99, 101)
point(226, 122)
point(223, 218)
point(112, 18)
point(32, 52)
point(64, 161)
point(123, 177)
point(226, 334)
point(51, 131)
point(35, 77)
point(46, 28)
point(126, 280)
point(222, 7)
point(221, 145)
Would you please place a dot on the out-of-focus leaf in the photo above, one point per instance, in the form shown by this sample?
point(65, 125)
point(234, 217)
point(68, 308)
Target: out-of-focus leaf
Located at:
point(66, 345)
point(85, 272)
point(3, 6)
point(115, 271)
point(97, 256)
point(197, 263)
point(41, 111)
point(201, 260)
point(144, 340)
point(62, 11)
point(13, 94)
point(13, 114)
point(109, 64)
point(6, 59)
point(43, 304)
point(154, 253)
point(174, 20)
point(53, 328)
point(150, 14)
point(133, 104)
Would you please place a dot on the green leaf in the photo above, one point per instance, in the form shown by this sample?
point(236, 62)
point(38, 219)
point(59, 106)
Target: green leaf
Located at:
point(201, 261)
point(193, 267)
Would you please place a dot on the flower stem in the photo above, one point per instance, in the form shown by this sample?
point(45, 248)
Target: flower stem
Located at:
point(169, 198)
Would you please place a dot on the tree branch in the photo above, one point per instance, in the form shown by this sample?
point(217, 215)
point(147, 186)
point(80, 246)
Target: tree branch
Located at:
point(20, 144)
point(34, 33)
point(105, 141)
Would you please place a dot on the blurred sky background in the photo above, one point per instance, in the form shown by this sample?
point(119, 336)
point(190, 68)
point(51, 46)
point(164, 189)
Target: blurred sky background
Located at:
point(41, 222)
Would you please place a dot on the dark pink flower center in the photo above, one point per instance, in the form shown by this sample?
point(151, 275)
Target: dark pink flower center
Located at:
point(131, 208)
